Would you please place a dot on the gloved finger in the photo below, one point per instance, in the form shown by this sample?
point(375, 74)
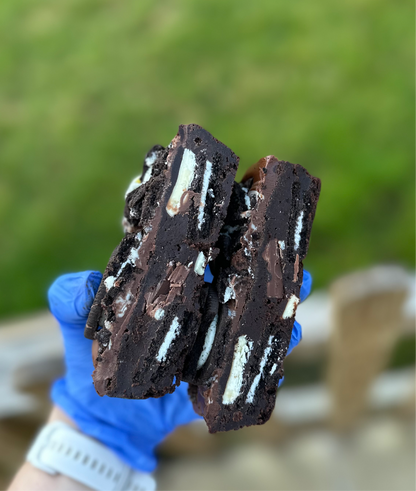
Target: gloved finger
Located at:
point(297, 328)
point(177, 408)
point(305, 289)
point(71, 296)
point(295, 338)
point(70, 300)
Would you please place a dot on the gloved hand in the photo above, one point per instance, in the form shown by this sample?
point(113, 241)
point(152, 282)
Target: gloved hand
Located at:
point(131, 428)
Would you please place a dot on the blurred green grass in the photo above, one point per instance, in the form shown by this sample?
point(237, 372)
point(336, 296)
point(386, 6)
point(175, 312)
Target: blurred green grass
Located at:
point(88, 86)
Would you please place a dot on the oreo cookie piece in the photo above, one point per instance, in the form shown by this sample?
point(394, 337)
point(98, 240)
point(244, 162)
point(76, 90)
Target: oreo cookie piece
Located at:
point(152, 164)
point(147, 311)
point(264, 240)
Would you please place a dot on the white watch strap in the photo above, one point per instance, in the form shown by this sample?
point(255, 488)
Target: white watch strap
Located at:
point(61, 449)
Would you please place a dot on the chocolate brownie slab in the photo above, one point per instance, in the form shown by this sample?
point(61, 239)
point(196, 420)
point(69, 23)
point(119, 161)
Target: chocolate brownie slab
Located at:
point(130, 223)
point(148, 309)
point(264, 241)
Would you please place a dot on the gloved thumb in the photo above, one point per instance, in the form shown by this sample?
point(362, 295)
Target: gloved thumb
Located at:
point(71, 296)
point(306, 287)
point(70, 300)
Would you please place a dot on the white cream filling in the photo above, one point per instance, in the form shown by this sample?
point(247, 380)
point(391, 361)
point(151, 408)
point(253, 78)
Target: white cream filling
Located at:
point(135, 183)
point(229, 292)
point(122, 303)
point(149, 163)
point(151, 159)
point(208, 342)
point(170, 336)
point(159, 314)
point(133, 256)
point(298, 229)
point(127, 226)
point(265, 357)
point(273, 369)
point(210, 254)
point(200, 262)
point(131, 259)
point(183, 182)
point(147, 175)
point(242, 352)
point(109, 282)
point(205, 183)
point(290, 308)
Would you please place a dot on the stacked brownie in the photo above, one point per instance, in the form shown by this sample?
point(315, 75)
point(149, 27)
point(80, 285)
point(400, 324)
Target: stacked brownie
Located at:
point(265, 238)
point(158, 323)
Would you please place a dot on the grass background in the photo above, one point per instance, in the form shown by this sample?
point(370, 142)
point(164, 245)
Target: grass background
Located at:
point(88, 86)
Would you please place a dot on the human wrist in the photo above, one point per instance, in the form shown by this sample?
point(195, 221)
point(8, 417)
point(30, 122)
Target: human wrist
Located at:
point(62, 449)
point(29, 477)
point(57, 414)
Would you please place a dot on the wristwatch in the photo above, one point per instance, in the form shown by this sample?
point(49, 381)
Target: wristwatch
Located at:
point(60, 449)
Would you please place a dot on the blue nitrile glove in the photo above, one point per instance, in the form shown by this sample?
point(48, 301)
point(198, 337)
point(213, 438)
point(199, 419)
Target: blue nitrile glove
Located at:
point(131, 428)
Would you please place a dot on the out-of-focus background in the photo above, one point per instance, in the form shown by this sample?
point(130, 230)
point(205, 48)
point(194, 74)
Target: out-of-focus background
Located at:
point(88, 86)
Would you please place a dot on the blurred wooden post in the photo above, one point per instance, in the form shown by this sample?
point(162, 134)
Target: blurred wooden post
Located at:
point(367, 315)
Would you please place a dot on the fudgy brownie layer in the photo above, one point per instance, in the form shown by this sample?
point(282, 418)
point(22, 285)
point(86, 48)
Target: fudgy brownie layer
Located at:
point(264, 240)
point(148, 309)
